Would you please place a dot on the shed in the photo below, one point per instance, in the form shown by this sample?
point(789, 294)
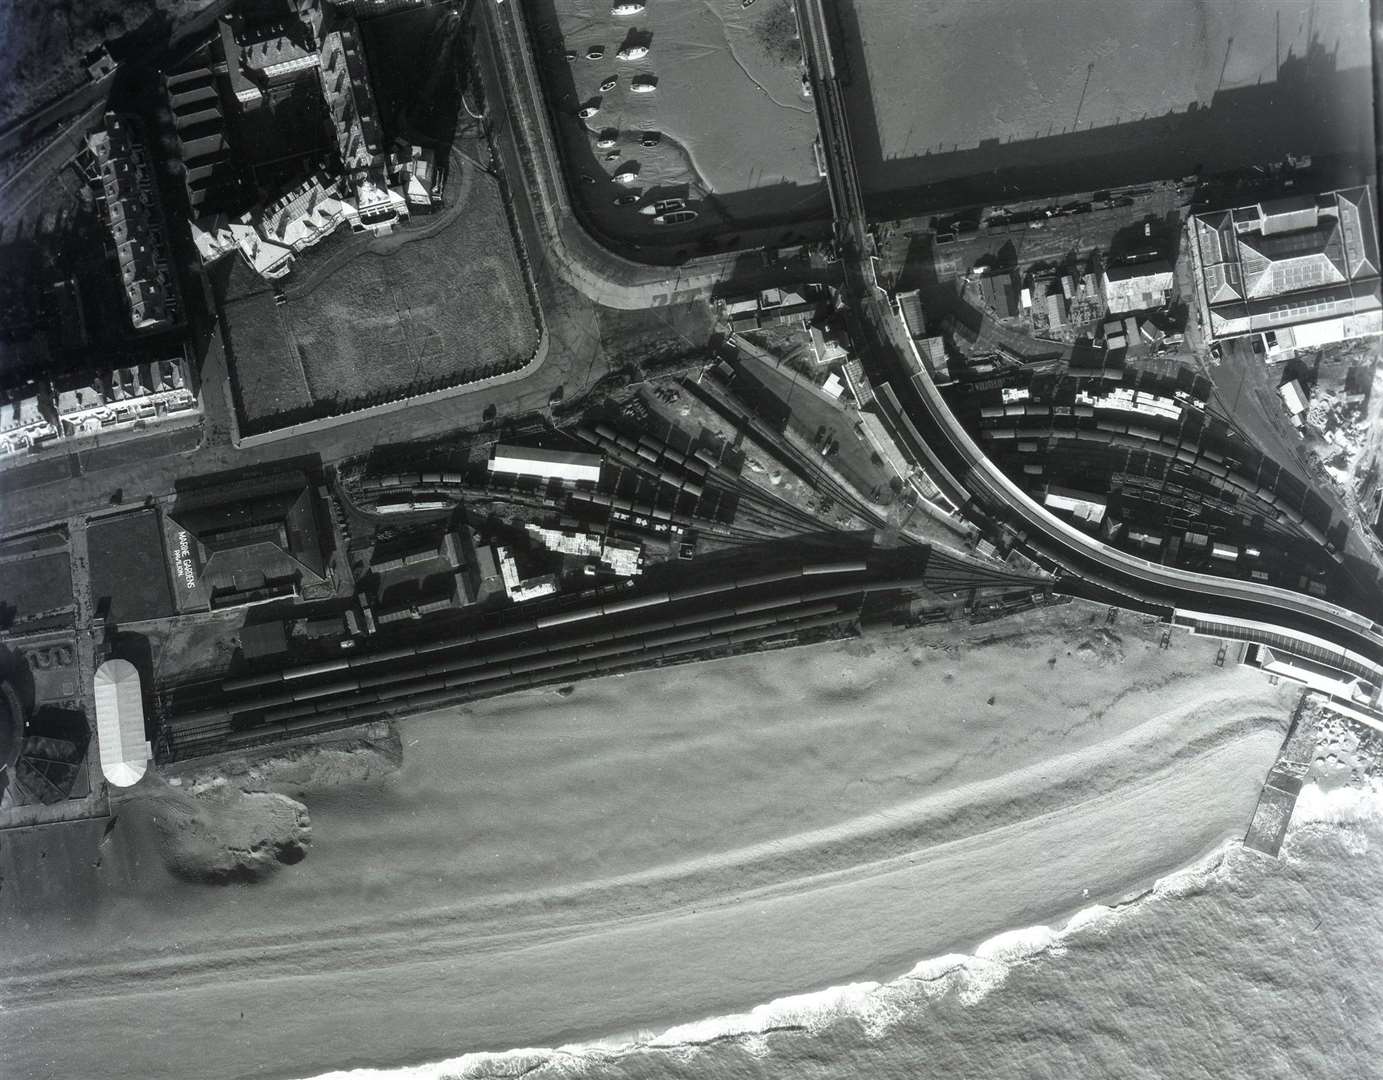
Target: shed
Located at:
point(550, 464)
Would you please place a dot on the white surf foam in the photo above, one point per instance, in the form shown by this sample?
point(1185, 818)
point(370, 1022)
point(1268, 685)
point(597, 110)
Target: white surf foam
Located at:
point(1339, 805)
point(971, 977)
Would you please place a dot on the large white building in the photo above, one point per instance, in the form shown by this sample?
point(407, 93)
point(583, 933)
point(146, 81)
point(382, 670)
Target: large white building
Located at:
point(124, 751)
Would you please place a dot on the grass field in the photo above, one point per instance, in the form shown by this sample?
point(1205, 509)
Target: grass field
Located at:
point(408, 313)
point(127, 567)
point(35, 586)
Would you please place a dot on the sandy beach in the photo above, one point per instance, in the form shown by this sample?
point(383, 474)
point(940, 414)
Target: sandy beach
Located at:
point(641, 852)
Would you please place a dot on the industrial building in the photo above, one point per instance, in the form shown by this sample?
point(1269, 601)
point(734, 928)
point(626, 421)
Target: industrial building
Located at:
point(1083, 505)
point(1000, 292)
point(518, 588)
point(619, 557)
point(1138, 286)
point(265, 543)
point(547, 464)
point(1302, 272)
point(124, 751)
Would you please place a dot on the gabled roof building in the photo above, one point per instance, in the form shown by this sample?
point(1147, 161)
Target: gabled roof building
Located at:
point(263, 545)
point(1304, 269)
point(134, 218)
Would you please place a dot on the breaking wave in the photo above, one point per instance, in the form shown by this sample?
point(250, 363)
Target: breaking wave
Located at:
point(967, 978)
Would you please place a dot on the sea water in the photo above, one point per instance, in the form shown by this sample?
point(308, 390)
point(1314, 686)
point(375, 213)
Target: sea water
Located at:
point(1240, 966)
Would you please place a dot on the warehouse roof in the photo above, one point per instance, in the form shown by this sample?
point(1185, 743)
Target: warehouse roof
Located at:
point(534, 461)
point(124, 751)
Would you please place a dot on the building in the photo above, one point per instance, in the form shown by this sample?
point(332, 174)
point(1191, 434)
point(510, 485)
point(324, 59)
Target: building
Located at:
point(517, 588)
point(259, 58)
point(929, 353)
point(1083, 505)
point(830, 343)
point(1138, 286)
point(418, 175)
point(1056, 309)
point(128, 193)
point(25, 425)
point(264, 543)
point(1000, 292)
point(350, 101)
point(1294, 397)
point(194, 92)
point(124, 398)
point(548, 464)
point(124, 751)
point(269, 239)
point(1304, 269)
point(1340, 687)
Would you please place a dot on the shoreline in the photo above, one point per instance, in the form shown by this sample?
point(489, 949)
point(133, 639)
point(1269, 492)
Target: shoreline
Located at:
point(660, 854)
point(853, 993)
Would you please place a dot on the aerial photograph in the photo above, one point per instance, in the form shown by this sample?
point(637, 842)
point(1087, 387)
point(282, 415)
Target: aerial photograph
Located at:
point(691, 540)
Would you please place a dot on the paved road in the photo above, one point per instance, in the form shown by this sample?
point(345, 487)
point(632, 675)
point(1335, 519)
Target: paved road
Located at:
point(926, 428)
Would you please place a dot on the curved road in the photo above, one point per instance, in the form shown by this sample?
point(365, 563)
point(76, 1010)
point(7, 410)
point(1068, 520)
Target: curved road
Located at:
point(576, 257)
point(924, 425)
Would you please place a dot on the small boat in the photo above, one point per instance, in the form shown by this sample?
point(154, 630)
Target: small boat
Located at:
point(677, 217)
point(746, 3)
point(588, 112)
point(663, 206)
point(643, 84)
point(570, 54)
point(595, 52)
point(633, 52)
point(609, 84)
point(606, 141)
point(613, 155)
point(650, 138)
point(627, 7)
point(627, 200)
point(626, 177)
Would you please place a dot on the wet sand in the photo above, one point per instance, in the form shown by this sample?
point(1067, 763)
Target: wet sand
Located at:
point(642, 852)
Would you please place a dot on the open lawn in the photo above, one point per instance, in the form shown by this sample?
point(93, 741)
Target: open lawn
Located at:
point(407, 313)
point(128, 572)
point(35, 586)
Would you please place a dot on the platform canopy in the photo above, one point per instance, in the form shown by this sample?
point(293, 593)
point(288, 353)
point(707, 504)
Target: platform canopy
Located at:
point(120, 723)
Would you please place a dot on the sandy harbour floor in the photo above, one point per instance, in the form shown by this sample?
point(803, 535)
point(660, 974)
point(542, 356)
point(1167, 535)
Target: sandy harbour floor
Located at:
point(639, 852)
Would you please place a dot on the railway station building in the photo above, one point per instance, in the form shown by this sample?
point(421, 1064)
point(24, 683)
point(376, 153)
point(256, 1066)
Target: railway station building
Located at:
point(1300, 272)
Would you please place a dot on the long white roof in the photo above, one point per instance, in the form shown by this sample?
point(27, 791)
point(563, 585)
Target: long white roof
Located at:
point(532, 461)
point(120, 723)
